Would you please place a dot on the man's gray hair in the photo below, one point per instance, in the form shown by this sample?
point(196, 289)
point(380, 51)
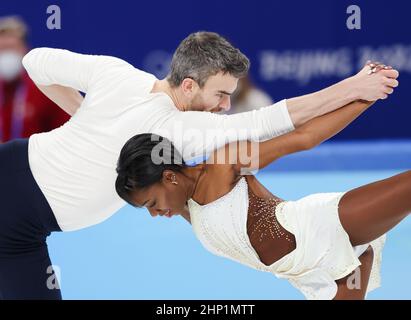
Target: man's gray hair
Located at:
point(204, 54)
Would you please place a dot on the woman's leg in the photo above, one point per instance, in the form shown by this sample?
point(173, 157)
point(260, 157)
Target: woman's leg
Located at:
point(354, 286)
point(368, 212)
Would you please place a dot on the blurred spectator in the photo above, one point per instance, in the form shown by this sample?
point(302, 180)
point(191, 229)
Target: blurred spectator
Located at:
point(248, 97)
point(24, 110)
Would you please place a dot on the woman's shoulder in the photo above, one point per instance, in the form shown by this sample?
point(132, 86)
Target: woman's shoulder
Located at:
point(217, 180)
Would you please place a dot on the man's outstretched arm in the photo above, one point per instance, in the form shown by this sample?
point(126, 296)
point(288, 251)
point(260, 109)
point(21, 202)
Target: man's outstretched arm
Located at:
point(196, 134)
point(47, 68)
point(296, 111)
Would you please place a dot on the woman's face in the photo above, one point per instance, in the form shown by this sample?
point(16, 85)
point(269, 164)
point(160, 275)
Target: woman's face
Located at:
point(163, 198)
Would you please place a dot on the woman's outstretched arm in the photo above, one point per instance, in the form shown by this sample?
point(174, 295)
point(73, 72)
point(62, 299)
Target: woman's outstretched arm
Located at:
point(253, 155)
point(323, 128)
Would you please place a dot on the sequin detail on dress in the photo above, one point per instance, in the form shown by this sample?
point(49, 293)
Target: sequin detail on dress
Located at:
point(262, 221)
point(267, 236)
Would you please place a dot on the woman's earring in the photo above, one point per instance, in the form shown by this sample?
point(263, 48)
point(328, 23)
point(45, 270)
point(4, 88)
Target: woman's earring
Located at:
point(174, 180)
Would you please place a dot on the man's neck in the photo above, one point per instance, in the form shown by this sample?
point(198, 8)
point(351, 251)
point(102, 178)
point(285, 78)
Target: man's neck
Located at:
point(173, 93)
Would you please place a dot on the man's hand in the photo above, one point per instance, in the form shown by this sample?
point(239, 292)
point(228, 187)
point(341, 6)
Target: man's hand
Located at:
point(375, 81)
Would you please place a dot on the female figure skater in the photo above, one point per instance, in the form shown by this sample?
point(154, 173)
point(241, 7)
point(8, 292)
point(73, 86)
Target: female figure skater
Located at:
point(316, 243)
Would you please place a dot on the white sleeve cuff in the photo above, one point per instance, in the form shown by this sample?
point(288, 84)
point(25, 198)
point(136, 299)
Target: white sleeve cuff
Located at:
point(286, 118)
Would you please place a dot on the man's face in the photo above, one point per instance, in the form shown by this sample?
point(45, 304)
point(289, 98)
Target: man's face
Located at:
point(215, 95)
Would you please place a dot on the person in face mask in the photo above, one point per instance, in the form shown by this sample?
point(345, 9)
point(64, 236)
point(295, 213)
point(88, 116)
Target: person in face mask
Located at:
point(24, 110)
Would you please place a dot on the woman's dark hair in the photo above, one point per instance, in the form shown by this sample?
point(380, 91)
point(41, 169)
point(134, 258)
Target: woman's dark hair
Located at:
point(142, 162)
